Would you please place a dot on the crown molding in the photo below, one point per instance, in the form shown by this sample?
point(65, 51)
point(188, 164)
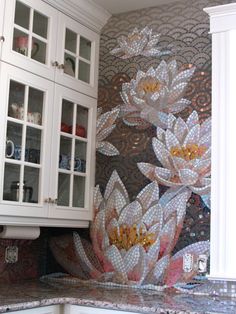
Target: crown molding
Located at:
point(222, 17)
point(86, 12)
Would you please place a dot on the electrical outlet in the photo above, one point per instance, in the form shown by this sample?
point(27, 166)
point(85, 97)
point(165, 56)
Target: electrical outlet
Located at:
point(11, 254)
point(187, 262)
point(202, 263)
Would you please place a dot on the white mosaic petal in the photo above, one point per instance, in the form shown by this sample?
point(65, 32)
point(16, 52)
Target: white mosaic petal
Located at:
point(79, 250)
point(176, 92)
point(180, 163)
point(167, 235)
point(115, 179)
point(206, 127)
point(105, 132)
point(179, 105)
point(148, 195)
point(107, 149)
point(153, 252)
point(172, 68)
point(131, 214)
point(183, 76)
point(113, 255)
point(205, 140)
point(192, 120)
point(160, 133)
point(160, 268)
point(131, 258)
point(154, 214)
point(188, 177)
point(178, 205)
point(203, 166)
point(201, 190)
point(162, 154)
point(97, 197)
point(180, 130)
point(147, 169)
point(193, 135)
point(163, 173)
point(171, 121)
point(171, 140)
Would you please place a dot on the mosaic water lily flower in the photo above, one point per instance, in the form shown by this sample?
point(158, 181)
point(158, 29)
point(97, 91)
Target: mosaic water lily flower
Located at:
point(105, 125)
point(132, 242)
point(138, 43)
point(151, 96)
point(184, 151)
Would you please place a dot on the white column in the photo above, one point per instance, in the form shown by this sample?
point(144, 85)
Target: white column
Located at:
point(223, 189)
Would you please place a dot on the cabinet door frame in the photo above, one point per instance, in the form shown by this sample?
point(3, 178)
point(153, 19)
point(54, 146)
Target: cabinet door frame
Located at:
point(9, 55)
point(67, 80)
point(2, 8)
point(77, 213)
point(8, 72)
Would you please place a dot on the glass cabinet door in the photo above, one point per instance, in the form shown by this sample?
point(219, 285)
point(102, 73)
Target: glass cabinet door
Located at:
point(28, 36)
point(76, 140)
point(78, 56)
point(24, 161)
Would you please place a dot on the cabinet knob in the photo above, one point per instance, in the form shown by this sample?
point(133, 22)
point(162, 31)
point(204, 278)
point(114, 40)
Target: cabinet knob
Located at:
point(55, 64)
point(61, 66)
point(46, 200)
point(54, 201)
point(2, 38)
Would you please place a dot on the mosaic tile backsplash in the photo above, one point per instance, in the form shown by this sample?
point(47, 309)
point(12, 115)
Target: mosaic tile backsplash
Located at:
point(184, 31)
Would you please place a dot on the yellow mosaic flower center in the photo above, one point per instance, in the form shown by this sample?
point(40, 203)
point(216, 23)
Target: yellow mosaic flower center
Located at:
point(188, 152)
point(149, 85)
point(125, 237)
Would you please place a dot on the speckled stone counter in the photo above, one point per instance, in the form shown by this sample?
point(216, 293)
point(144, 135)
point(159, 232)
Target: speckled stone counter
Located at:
point(31, 294)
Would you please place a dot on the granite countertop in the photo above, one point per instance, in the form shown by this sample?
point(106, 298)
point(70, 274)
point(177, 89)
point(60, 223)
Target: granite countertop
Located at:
point(31, 294)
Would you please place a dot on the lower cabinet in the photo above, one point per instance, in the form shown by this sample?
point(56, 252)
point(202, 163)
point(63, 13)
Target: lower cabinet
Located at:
point(52, 309)
point(76, 309)
point(69, 309)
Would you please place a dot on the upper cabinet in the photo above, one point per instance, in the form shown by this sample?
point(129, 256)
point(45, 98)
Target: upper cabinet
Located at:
point(44, 41)
point(48, 87)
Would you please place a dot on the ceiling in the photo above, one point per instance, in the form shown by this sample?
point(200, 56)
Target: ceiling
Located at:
point(119, 6)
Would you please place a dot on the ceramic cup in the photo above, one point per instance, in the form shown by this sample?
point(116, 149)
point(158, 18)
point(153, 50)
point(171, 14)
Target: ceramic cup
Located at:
point(10, 147)
point(21, 44)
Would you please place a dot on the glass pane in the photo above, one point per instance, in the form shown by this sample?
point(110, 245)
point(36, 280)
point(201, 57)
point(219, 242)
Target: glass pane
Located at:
point(84, 71)
point(33, 145)
point(35, 106)
point(40, 24)
point(85, 48)
point(22, 15)
point(16, 100)
point(78, 191)
point(20, 42)
point(63, 189)
point(11, 190)
point(31, 185)
point(81, 121)
point(67, 116)
point(14, 140)
point(38, 51)
point(69, 63)
point(65, 153)
point(70, 41)
point(80, 156)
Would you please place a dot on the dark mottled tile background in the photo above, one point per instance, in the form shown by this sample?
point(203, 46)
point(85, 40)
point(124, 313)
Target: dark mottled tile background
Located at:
point(186, 26)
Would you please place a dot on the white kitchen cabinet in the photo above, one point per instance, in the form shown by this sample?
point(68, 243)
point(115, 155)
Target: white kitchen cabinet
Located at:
point(46, 42)
point(48, 87)
point(48, 170)
point(75, 309)
point(52, 309)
